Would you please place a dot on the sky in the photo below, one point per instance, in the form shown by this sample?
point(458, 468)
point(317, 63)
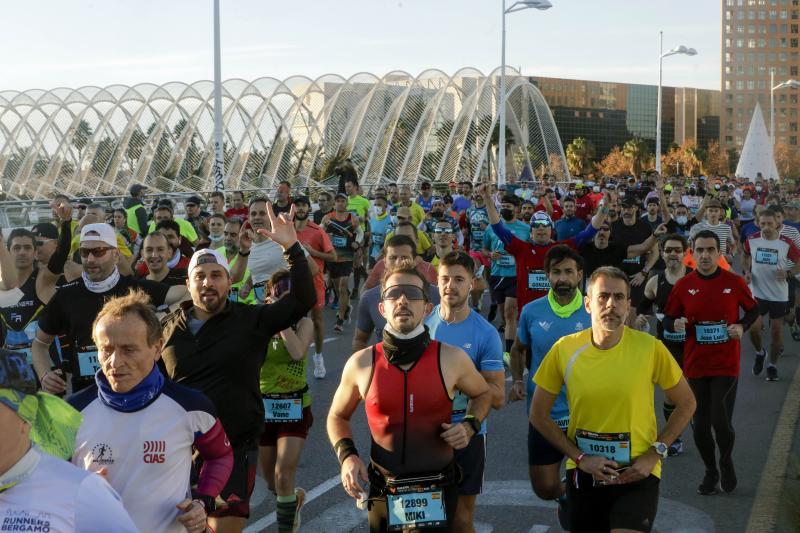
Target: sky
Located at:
point(56, 43)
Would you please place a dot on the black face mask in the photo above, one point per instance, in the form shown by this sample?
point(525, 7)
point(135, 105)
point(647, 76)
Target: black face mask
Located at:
point(507, 214)
point(404, 351)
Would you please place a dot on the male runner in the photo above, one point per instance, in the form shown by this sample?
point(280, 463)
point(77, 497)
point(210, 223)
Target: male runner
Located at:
point(705, 304)
point(453, 322)
point(612, 441)
point(157, 252)
point(407, 384)
point(345, 233)
point(541, 323)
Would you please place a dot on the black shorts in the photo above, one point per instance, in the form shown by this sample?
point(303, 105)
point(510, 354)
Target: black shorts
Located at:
point(340, 270)
point(239, 488)
point(540, 451)
point(603, 508)
point(472, 461)
point(792, 290)
point(276, 430)
point(502, 288)
point(775, 309)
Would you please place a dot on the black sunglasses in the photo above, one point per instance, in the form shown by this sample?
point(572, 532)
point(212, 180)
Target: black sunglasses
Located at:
point(97, 252)
point(411, 292)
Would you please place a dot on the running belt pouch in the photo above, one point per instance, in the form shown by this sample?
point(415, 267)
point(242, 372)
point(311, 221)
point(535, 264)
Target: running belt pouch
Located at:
point(451, 475)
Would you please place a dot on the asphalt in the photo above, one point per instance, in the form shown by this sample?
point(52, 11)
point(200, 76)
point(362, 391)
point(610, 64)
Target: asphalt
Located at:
point(508, 504)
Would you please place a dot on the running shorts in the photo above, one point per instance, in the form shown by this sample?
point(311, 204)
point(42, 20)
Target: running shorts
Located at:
point(276, 430)
point(472, 461)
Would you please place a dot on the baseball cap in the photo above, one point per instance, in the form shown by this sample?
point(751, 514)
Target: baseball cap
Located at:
point(100, 232)
point(540, 218)
point(652, 200)
point(630, 201)
point(194, 199)
point(137, 188)
point(714, 203)
point(302, 200)
point(46, 230)
point(437, 200)
point(341, 195)
point(206, 256)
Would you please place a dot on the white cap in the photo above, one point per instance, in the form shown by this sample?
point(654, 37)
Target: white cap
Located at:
point(207, 255)
point(100, 232)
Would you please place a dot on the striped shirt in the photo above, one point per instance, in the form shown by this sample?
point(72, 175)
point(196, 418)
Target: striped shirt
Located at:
point(723, 231)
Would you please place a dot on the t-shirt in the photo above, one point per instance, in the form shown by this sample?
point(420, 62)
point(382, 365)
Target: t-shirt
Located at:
point(567, 227)
point(58, 496)
point(359, 206)
point(634, 234)
point(593, 257)
point(266, 258)
point(681, 229)
point(370, 318)
point(318, 239)
point(476, 336)
point(187, 230)
point(461, 203)
point(378, 227)
point(767, 257)
point(477, 219)
point(505, 266)
point(723, 231)
point(610, 391)
point(747, 231)
point(539, 328)
point(714, 355)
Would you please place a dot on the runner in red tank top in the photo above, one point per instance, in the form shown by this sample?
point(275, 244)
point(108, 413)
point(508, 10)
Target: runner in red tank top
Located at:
point(407, 383)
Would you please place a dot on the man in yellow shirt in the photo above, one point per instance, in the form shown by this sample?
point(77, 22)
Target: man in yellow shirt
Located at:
point(612, 441)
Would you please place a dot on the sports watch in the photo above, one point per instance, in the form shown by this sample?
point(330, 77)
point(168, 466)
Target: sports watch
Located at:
point(473, 422)
point(661, 449)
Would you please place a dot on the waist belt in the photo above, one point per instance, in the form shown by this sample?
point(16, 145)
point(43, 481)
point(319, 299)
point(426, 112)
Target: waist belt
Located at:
point(381, 479)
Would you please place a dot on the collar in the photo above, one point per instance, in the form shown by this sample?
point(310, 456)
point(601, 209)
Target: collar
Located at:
point(564, 311)
point(176, 258)
point(135, 399)
point(21, 469)
point(710, 276)
point(99, 287)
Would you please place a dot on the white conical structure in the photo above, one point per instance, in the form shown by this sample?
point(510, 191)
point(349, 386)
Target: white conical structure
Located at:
point(757, 155)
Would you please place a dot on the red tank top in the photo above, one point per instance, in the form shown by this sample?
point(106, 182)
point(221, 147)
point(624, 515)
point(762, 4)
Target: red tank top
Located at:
point(405, 412)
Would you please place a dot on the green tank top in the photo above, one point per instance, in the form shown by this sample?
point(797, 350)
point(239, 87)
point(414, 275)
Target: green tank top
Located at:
point(281, 374)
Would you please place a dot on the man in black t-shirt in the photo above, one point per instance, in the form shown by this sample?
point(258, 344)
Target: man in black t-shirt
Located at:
point(73, 308)
point(325, 202)
point(604, 251)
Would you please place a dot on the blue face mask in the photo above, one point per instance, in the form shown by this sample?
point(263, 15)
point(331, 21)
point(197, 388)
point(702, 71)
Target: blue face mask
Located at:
point(681, 220)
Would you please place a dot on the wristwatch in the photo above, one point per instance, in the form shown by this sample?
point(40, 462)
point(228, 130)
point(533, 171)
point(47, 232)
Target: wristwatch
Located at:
point(473, 422)
point(661, 449)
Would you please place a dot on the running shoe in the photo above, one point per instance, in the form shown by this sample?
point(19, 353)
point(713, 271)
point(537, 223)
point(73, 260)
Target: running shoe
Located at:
point(335, 306)
point(795, 330)
point(709, 484)
point(319, 366)
point(339, 327)
point(772, 373)
point(758, 364)
point(562, 511)
point(301, 499)
point(347, 314)
point(676, 448)
point(727, 473)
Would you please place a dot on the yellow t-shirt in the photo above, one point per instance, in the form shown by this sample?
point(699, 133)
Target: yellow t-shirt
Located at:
point(423, 241)
point(610, 391)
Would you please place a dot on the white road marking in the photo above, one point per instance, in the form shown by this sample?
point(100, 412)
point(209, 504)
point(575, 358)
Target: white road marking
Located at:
point(329, 339)
point(538, 528)
point(311, 495)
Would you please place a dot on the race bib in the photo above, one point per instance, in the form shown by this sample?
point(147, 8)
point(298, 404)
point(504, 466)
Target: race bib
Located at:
point(711, 332)
point(674, 336)
point(477, 235)
point(613, 446)
point(338, 241)
point(506, 261)
point(766, 256)
point(537, 281)
point(415, 506)
point(88, 365)
point(283, 407)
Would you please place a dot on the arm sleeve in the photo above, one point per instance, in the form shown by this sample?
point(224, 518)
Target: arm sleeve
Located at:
point(586, 235)
point(98, 507)
point(217, 454)
point(59, 257)
point(141, 217)
point(502, 233)
point(302, 296)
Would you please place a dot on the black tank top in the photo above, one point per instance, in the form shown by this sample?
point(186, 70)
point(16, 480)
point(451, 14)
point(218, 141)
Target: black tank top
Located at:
point(16, 317)
point(343, 235)
point(671, 339)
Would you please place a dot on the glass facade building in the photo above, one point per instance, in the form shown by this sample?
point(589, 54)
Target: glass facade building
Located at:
point(609, 114)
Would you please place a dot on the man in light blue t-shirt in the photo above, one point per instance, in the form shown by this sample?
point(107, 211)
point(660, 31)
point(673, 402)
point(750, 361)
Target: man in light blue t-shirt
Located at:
point(454, 322)
point(542, 322)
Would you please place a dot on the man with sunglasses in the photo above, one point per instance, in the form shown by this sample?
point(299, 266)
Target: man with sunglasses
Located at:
point(73, 308)
point(407, 383)
point(532, 282)
point(442, 242)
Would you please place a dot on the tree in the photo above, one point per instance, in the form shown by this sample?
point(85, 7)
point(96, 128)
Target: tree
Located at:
point(81, 136)
point(614, 163)
point(135, 146)
point(683, 159)
point(580, 153)
point(716, 161)
point(637, 153)
point(787, 160)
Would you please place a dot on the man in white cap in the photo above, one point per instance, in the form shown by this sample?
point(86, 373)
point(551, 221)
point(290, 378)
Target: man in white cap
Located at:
point(217, 346)
point(74, 307)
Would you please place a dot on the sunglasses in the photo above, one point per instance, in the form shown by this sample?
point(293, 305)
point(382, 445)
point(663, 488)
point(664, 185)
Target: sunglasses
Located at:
point(43, 242)
point(402, 219)
point(673, 249)
point(411, 292)
point(442, 230)
point(97, 252)
point(80, 206)
point(540, 224)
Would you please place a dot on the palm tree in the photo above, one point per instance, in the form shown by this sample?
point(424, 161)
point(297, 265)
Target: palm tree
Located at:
point(637, 152)
point(580, 153)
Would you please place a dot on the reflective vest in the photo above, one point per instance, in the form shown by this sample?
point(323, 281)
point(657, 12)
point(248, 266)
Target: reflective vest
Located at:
point(133, 222)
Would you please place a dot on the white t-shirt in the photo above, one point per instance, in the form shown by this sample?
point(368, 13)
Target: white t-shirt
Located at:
point(266, 258)
point(61, 498)
point(767, 256)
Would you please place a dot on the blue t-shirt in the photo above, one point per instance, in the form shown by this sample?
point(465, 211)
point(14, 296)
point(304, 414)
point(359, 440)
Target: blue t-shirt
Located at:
point(795, 225)
point(475, 336)
point(478, 221)
point(378, 227)
point(425, 204)
point(568, 227)
point(505, 266)
point(748, 230)
point(539, 328)
point(462, 203)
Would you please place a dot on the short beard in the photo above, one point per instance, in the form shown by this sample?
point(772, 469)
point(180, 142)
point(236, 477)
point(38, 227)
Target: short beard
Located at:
point(297, 216)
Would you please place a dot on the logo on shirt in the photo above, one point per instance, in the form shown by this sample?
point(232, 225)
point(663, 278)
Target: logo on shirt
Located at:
point(102, 454)
point(726, 291)
point(154, 451)
point(545, 325)
point(693, 291)
point(579, 326)
point(467, 346)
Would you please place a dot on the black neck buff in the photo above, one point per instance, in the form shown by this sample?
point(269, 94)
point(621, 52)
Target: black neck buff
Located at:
point(399, 351)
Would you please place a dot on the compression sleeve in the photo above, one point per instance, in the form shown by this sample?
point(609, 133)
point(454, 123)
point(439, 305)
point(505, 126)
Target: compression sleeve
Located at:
point(645, 307)
point(217, 455)
point(749, 318)
point(98, 507)
point(586, 235)
point(59, 257)
point(502, 233)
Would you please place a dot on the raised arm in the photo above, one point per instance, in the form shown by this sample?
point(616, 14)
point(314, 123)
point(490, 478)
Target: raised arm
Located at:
point(9, 276)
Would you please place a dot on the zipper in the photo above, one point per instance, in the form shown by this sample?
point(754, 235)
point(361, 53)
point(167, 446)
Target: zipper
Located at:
point(405, 416)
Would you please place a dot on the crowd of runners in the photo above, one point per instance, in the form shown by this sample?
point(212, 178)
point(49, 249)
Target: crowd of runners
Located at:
point(157, 354)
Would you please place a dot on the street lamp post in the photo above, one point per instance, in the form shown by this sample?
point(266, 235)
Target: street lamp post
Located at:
point(678, 50)
point(501, 150)
point(219, 154)
point(788, 84)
